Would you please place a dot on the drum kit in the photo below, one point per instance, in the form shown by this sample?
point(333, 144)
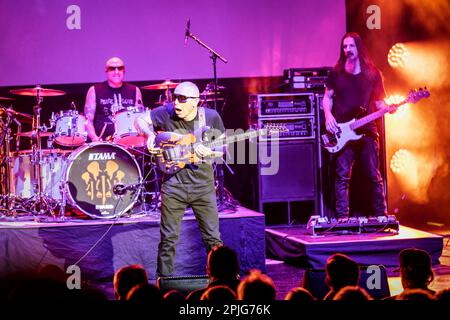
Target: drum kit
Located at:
point(71, 175)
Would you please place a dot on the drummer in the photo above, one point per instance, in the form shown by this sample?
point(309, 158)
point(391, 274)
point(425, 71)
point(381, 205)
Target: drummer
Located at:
point(105, 99)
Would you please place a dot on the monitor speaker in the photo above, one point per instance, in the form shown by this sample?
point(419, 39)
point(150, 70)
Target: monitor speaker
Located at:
point(185, 284)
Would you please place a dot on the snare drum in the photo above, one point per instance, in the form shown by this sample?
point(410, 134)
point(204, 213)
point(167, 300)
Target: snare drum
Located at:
point(125, 132)
point(52, 169)
point(70, 128)
point(91, 173)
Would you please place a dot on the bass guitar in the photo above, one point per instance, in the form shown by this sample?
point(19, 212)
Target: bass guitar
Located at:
point(334, 142)
point(174, 151)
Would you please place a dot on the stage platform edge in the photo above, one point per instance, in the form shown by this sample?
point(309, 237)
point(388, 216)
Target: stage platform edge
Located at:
point(31, 245)
point(293, 244)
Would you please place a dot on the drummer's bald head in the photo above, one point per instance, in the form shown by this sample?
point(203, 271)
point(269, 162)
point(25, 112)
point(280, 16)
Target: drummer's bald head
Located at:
point(114, 62)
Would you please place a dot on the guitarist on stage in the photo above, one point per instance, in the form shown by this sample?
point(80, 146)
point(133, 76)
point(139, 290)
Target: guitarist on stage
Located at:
point(353, 85)
point(194, 184)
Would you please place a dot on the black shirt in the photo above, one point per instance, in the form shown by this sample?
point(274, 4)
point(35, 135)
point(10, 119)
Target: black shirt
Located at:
point(355, 96)
point(164, 118)
point(105, 97)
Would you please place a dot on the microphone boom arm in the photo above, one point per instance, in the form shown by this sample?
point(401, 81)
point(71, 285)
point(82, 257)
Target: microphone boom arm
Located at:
point(200, 42)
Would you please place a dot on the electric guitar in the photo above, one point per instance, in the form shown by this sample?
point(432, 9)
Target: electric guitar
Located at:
point(334, 142)
point(174, 151)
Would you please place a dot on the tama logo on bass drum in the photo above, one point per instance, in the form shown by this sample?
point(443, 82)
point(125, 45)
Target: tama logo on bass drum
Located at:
point(102, 156)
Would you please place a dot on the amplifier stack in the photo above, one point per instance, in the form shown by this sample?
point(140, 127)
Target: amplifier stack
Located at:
point(293, 193)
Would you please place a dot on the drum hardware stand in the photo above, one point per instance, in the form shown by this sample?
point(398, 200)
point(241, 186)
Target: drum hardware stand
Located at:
point(8, 197)
point(151, 207)
point(10, 200)
point(42, 203)
point(62, 203)
point(141, 185)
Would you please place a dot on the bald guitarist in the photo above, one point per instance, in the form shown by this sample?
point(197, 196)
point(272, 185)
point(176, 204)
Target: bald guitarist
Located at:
point(194, 183)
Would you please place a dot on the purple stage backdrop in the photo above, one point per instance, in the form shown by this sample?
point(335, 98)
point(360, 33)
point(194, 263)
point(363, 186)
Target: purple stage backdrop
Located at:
point(68, 41)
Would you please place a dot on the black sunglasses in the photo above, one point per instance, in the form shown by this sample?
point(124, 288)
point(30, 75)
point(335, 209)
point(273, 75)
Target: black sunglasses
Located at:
point(120, 68)
point(182, 98)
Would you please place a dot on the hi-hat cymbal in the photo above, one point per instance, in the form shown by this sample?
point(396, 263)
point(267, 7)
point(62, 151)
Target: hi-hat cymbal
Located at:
point(43, 92)
point(30, 134)
point(159, 86)
point(18, 115)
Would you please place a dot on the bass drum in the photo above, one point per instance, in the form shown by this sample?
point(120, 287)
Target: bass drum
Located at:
point(91, 173)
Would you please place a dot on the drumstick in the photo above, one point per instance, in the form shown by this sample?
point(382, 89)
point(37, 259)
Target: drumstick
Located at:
point(103, 131)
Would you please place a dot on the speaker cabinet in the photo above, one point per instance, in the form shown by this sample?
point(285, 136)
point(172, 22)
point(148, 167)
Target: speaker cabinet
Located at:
point(185, 285)
point(287, 180)
point(295, 178)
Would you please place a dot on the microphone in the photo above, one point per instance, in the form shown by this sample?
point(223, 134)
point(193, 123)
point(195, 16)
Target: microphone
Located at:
point(188, 32)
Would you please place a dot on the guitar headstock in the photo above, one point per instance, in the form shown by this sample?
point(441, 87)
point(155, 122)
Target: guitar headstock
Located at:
point(417, 94)
point(274, 128)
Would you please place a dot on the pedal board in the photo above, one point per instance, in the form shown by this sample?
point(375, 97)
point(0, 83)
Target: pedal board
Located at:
point(318, 225)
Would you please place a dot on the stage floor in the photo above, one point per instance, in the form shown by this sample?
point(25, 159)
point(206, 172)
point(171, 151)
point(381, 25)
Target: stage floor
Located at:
point(294, 244)
point(100, 247)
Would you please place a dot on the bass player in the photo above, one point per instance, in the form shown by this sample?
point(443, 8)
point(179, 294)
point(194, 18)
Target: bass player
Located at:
point(353, 84)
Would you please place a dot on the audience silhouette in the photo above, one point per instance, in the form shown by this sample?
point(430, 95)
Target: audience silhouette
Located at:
point(443, 295)
point(223, 269)
point(219, 294)
point(126, 278)
point(341, 271)
point(144, 293)
point(299, 294)
point(352, 293)
point(256, 287)
point(415, 270)
point(417, 295)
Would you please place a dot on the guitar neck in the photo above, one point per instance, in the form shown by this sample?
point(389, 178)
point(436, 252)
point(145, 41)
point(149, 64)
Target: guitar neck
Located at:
point(233, 138)
point(413, 97)
point(373, 116)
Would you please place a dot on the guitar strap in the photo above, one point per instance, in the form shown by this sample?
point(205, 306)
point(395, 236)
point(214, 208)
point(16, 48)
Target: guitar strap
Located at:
point(201, 118)
point(202, 124)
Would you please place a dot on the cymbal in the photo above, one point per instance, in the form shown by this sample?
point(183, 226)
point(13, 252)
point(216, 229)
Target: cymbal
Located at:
point(210, 99)
point(43, 92)
point(210, 93)
point(20, 116)
point(6, 99)
point(29, 134)
point(158, 86)
point(210, 87)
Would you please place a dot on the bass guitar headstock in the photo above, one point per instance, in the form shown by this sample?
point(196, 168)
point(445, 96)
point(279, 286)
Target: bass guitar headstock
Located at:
point(417, 94)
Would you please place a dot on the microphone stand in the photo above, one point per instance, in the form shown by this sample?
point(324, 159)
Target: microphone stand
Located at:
point(214, 55)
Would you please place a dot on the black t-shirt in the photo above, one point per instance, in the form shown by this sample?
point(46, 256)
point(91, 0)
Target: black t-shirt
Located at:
point(105, 97)
point(355, 96)
point(165, 119)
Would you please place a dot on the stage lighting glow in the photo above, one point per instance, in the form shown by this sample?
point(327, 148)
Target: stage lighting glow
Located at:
point(402, 111)
point(398, 55)
point(401, 161)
